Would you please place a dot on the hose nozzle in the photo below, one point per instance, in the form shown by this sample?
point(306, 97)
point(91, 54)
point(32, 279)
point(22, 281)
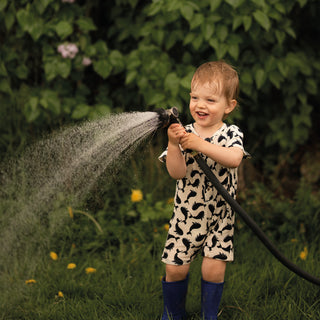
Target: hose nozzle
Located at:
point(168, 116)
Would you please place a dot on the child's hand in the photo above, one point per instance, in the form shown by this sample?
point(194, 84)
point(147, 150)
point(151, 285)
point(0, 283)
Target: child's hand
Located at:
point(175, 132)
point(191, 141)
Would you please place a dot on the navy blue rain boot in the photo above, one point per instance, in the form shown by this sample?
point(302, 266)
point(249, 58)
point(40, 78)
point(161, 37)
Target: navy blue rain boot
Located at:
point(210, 299)
point(174, 299)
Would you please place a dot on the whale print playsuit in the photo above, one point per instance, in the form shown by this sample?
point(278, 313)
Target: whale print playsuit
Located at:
point(202, 220)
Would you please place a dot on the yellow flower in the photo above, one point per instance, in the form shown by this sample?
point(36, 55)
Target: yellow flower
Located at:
point(71, 265)
point(70, 212)
point(304, 253)
point(90, 270)
point(294, 240)
point(136, 195)
point(30, 281)
point(166, 227)
point(53, 255)
point(60, 294)
point(170, 201)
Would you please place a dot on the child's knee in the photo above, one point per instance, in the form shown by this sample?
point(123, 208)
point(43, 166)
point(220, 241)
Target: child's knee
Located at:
point(213, 270)
point(176, 273)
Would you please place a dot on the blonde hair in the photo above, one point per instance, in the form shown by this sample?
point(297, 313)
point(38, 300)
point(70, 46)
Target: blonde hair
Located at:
point(220, 75)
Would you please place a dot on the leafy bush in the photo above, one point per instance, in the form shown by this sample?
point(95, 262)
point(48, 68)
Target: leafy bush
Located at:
point(283, 218)
point(64, 61)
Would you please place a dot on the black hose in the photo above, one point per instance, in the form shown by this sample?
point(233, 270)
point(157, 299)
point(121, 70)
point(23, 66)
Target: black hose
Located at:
point(250, 222)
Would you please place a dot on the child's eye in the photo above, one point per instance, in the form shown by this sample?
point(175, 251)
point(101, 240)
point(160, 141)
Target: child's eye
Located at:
point(211, 100)
point(194, 97)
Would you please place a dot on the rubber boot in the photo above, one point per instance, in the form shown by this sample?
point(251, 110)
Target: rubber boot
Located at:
point(174, 299)
point(210, 299)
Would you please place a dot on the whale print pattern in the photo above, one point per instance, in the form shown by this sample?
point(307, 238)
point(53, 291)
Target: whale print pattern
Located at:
point(202, 220)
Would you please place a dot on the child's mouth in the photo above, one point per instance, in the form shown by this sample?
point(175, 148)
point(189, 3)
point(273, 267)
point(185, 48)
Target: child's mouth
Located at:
point(201, 114)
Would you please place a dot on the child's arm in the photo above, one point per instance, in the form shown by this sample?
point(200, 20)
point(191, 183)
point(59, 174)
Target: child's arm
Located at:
point(227, 157)
point(175, 160)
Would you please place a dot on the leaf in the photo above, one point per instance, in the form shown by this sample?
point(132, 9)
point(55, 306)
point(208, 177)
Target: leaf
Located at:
point(246, 77)
point(173, 5)
point(30, 23)
point(259, 78)
point(302, 2)
point(50, 100)
point(276, 79)
point(99, 111)
point(131, 76)
point(247, 21)
point(221, 50)
point(102, 67)
point(280, 7)
point(234, 51)
point(189, 38)
point(9, 19)
point(5, 86)
point(222, 32)
point(311, 86)
point(214, 5)
point(41, 5)
point(197, 42)
point(80, 111)
point(101, 48)
point(54, 67)
point(196, 21)
point(187, 12)
point(234, 3)
point(237, 21)
point(3, 69)
point(154, 8)
point(280, 35)
point(86, 24)
point(208, 31)
point(3, 4)
point(63, 29)
point(31, 110)
point(185, 82)
point(22, 71)
point(290, 32)
point(172, 83)
point(214, 43)
point(24, 19)
point(116, 59)
point(156, 98)
point(64, 68)
point(262, 19)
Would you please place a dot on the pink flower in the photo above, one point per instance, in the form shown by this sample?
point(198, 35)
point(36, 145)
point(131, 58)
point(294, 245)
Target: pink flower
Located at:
point(86, 61)
point(68, 50)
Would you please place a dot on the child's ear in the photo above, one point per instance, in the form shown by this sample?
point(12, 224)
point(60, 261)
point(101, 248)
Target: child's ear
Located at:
point(232, 104)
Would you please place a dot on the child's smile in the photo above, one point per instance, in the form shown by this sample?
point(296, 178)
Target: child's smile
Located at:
point(208, 107)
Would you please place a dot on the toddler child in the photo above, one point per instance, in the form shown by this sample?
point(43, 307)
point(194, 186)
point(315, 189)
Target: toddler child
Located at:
point(202, 220)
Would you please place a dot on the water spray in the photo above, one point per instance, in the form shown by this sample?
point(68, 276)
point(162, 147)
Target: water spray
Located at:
point(166, 118)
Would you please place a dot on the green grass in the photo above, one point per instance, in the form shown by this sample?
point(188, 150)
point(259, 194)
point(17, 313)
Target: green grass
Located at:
point(126, 284)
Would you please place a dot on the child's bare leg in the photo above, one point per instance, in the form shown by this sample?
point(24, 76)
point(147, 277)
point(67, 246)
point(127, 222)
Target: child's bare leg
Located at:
point(176, 273)
point(213, 270)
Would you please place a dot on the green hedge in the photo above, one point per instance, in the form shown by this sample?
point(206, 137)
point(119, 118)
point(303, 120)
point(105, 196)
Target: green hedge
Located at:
point(136, 55)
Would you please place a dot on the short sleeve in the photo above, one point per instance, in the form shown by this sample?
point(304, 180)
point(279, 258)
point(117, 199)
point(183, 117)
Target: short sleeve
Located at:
point(163, 156)
point(235, 139)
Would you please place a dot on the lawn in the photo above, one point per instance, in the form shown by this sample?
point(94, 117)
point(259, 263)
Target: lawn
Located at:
point(123, 281)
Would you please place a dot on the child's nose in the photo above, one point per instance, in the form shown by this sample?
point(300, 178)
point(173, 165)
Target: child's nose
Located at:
point(201, 103)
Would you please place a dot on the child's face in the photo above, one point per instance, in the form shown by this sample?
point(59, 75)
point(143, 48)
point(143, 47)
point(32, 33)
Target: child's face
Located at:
point(208, 106)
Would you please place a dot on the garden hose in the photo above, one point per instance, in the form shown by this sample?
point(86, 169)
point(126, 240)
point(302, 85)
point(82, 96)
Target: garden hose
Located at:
point(167, 117)
point(251, 223)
